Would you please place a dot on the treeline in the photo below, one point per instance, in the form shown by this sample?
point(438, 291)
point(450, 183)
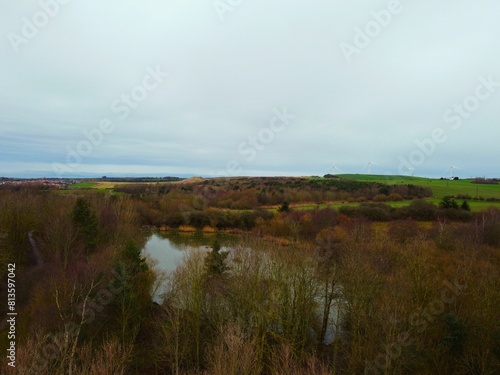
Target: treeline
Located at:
point(307, 223)
point(486, 181)
point(139, 179)
point(417, 210)
point(235, 203)
point(244, 194)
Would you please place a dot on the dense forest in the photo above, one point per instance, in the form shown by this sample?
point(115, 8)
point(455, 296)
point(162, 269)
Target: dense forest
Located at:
point(366, 289)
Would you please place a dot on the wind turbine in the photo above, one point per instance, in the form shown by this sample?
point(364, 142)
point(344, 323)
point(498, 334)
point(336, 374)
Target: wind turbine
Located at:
point(369, 165)
point(334, 167)
point(409, 171)
point(450, 169)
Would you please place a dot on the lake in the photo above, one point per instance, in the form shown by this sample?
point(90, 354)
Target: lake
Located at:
point(170, 248)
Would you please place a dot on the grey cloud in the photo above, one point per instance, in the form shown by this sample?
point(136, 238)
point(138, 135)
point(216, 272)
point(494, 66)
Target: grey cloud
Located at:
point(227, 77)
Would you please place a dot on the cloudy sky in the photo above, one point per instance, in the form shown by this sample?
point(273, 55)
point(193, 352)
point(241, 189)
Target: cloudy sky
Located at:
point(230, 87)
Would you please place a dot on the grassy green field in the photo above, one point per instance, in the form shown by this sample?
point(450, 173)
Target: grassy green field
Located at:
point(95, 187)
point(475, 206)
point(440, 188)
point(101, 191)
point(111, 185)
point(83, 185)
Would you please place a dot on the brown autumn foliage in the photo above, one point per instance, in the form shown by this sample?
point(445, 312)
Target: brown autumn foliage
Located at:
point(345, 296)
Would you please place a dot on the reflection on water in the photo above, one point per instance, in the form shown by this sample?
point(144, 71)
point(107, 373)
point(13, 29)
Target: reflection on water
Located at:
point(169, 248)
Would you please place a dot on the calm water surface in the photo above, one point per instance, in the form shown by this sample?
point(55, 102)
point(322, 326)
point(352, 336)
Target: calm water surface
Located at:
point(170, 248)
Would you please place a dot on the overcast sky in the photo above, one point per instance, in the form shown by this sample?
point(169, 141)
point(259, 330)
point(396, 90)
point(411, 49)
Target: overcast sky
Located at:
point(274, 87)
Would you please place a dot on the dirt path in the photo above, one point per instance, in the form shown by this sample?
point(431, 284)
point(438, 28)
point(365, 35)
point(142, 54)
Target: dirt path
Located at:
point(35, 250)
point(36, 259)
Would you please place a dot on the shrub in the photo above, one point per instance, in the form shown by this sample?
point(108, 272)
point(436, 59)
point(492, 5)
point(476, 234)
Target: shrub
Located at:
point(380, 198)
point(199, 219)
point(375, 212)
point(417, 210)
point(395, 197)
point(449, 202)
point(285, 207)
point(456, 215)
